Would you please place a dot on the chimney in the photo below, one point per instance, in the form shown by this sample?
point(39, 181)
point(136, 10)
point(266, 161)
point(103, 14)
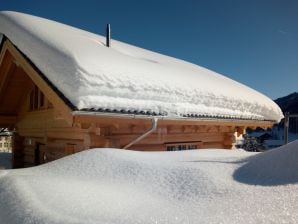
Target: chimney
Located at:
point(108, 35)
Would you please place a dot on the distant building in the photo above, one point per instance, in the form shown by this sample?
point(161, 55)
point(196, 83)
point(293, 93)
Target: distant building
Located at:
point(5, 142)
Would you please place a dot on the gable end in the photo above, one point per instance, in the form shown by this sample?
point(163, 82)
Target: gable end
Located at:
point(20, 60)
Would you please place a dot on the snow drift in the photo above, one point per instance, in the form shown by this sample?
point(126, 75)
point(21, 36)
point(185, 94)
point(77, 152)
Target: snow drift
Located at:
point(119, 186)
point(272, 168)
point(129, 79)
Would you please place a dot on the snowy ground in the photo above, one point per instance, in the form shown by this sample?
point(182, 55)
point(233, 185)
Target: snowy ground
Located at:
point(119, 186)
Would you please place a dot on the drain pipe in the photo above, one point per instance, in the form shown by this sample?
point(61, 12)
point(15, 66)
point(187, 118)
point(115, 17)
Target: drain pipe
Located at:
point(152, 129)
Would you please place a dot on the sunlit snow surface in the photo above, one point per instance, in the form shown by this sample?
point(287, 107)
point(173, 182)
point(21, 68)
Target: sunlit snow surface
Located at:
point(119, 186)
point(127, 78)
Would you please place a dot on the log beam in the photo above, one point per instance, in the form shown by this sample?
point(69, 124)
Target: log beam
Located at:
point(7, 120)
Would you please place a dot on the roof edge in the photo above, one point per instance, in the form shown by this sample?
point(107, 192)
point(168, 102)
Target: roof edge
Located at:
point(40, 73)
point(236, 121)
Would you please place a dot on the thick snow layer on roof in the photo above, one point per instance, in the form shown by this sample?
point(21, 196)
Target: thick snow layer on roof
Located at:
point(119, 186)
point(128, 78)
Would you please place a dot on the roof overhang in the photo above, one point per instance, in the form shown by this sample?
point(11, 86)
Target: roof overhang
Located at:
point(106, 118)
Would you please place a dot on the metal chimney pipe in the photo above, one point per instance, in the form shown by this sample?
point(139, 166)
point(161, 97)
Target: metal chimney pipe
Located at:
point(108, 35)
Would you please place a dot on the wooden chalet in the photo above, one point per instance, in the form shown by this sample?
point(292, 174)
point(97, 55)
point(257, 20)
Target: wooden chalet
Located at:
point(47, 126)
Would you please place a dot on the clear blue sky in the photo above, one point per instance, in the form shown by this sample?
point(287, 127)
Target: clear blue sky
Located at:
point(252, 41)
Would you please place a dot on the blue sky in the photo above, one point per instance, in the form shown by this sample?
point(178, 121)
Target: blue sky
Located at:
point(252, 41)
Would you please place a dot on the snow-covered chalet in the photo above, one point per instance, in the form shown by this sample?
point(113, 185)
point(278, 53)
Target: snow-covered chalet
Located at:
point(62, 90)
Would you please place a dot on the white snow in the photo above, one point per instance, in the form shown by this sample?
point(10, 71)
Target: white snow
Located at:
point(119, 186)
point(128, 78)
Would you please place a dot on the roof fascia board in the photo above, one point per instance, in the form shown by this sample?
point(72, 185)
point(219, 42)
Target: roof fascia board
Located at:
point(87, 117)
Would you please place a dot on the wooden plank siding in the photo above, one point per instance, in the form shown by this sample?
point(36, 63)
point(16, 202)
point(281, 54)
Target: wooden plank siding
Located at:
point(61, 139)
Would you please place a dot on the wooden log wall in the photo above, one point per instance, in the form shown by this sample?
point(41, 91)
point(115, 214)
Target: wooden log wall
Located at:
point(48, 137)
point(209, 136)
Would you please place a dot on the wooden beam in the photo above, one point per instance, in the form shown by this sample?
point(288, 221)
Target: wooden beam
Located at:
point(52, 96)
point(2, 53)
point(7, 120)
point(6, 68)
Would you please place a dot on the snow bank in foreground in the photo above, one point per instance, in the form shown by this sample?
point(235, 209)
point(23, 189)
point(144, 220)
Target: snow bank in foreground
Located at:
point(275, 167)
point(127, 78)
point(118, 186)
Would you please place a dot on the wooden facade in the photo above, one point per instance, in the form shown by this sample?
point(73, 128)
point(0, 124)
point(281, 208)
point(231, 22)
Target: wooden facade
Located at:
point(46, 127)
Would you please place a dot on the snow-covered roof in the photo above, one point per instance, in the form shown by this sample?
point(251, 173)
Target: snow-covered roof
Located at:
point(123, 186)
point(125, 78)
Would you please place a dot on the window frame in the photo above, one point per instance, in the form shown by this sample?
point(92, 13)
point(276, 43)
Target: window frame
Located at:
point(181, 146)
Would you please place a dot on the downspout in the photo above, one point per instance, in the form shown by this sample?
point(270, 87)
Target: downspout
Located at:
point(152, 129)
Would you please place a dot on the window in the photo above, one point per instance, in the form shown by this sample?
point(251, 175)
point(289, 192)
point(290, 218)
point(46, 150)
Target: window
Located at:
point(41, 99)
point(1, 145)
point(34, 102)
point(180, 146)
point(37, 100)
